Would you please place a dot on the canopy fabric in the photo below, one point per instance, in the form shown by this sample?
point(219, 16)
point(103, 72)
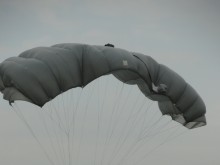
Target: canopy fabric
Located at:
point(40, 74)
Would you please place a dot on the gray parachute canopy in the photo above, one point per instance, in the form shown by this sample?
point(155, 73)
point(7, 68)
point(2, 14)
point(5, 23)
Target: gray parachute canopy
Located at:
point(40, 74)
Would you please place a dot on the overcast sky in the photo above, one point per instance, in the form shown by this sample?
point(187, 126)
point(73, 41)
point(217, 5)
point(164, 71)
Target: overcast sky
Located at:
point(182, 34)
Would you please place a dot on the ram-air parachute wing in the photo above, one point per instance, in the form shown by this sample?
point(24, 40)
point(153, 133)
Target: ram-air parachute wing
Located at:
point(40, 74)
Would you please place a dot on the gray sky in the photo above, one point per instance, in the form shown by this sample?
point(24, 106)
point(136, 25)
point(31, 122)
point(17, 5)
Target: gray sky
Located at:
point(182, 34)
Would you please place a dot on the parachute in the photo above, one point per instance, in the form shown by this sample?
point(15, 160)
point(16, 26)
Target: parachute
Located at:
point(41, 74)
point(50, 71)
